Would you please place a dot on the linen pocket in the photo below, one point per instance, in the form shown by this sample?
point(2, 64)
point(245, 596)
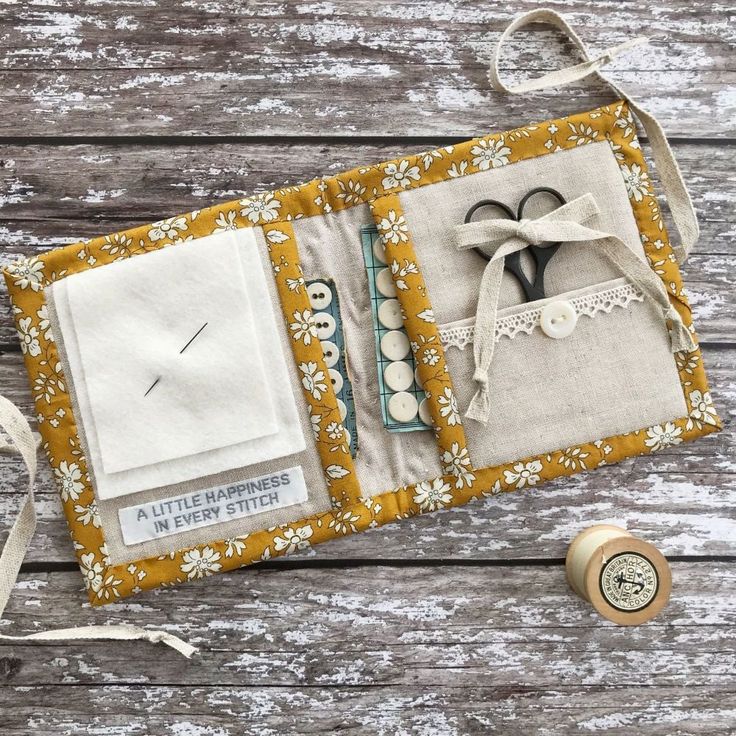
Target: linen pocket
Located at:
point(614, 373)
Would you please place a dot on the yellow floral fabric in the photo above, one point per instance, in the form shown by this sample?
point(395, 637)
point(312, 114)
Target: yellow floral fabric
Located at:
point(424, 336)
point(377, 185)
point(313, 373)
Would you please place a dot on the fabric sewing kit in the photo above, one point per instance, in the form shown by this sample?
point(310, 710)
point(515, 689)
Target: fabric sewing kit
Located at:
point(245, 381)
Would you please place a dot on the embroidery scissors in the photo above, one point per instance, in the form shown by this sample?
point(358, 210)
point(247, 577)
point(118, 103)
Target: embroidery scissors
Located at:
point(512, 263)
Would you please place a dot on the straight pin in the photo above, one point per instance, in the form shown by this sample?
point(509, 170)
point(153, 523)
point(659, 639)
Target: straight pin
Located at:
point(193, 337)
point(152, 385)
point(191, 340)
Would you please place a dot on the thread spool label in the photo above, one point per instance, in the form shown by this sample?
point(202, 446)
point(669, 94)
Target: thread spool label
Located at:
point(629, 582)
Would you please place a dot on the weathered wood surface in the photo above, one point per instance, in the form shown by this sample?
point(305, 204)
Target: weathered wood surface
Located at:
point(116, 114)
point(365, 68)
point(54, 194)
point(447, 711)
point(479, 650)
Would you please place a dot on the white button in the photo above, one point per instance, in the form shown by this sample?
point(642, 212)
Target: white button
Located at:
point(379, 252)
point(325, 325)
point(320, 296)
point(395, 345)
point(331, 352)
point(389, 314)
point(384, 283)
point(335, 380)
point(417, 378)
point(402, 406)
point(558, 319)
point(347, 437)
point(424, 413)
point(343, 409)
point(398, 376)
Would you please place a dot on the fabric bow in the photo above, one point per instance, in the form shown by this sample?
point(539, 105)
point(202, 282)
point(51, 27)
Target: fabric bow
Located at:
point(565, 224)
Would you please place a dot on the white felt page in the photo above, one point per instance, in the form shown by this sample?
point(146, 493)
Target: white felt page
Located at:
point(155, 414)
point(170, 359)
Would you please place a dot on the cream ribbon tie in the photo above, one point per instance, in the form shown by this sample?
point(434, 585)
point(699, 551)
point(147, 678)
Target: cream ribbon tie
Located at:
point(564, 225)
point(22, 441)
point(678, 198)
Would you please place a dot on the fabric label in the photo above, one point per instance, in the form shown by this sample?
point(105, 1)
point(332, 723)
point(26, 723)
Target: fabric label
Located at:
point(212, 505)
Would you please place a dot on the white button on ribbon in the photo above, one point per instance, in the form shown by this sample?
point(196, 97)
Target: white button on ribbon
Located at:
point(379, 251)
point(326, 325)
point(398, 376)
point(424, 413)
point(320, 296)
point(417, 378)
point(385, 283)
point(558, 319)
point(403, 407)
point(389, 314)
point(395, 345)
point(331, 353)
point(336, 380)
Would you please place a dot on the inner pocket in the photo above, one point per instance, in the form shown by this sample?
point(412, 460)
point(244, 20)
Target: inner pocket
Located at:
point(614, 373)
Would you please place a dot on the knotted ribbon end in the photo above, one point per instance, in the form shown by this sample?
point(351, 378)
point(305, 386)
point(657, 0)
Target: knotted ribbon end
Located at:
point(681, 339)
point(480, 406)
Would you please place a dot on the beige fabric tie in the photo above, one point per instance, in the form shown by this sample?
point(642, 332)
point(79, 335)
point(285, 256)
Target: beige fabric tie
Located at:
point(15, 426)
point(564, 225)
point(678, 198)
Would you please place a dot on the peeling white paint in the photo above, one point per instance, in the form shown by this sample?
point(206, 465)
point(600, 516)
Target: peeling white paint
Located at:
point(96, 158)
point(706, 306)
point(187, 728)
point(248, 627)
point(31, 584)
point(14, 191)
point(53, 25)
point(269, 104)
point(154, 78)
point(101, 195)
point(126, 23)
point(307, 633)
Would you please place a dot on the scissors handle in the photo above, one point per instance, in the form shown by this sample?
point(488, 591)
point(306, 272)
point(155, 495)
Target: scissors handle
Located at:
point(533, 290)
point(512, 264)
point(542, 254)
point(487, 203)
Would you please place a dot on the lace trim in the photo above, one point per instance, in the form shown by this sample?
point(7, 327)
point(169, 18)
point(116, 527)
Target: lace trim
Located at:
point(461, 335)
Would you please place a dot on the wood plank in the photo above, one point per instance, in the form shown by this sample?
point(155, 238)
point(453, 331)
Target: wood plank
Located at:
point(682, 499)
point(208, 710)
point(79, 36)
point(455, 101)
point(211, 68)
point(443, 628)
point(118, 186)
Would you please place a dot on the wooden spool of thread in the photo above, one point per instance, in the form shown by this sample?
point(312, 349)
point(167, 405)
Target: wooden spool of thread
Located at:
point(628, 581)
